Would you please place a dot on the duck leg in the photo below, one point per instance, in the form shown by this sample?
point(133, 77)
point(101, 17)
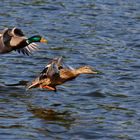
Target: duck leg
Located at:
point(48, 87)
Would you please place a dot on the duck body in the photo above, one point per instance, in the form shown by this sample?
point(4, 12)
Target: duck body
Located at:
point(57, 79)
point(56, 73)
point(14, 39)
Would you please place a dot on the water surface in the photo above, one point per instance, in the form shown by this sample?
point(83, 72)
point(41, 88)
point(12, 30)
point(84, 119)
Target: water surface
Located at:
point(103, 34)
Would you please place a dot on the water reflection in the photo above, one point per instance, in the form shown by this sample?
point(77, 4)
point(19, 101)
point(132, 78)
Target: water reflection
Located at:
point(52, 116)
point(104, 34)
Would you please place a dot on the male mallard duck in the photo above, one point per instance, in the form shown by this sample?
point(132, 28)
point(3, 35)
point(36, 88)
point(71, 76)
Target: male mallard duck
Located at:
point(14, 39)
point(56, 73)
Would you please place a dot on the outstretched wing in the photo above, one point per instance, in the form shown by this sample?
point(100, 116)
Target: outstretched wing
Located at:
point(29, 49)
point(60, 63)
point(4, 40)
point(5, 37)
point(16, 32)
point(50, 71)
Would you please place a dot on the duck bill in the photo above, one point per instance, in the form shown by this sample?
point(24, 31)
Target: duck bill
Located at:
point(96, 71)
point(43, 40)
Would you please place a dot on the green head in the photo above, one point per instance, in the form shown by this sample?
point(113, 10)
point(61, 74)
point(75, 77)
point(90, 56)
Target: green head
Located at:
point(36, 38)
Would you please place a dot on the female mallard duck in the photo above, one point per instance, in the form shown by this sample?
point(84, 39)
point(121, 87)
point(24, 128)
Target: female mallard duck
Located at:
point(14, 39)
point(56, 73)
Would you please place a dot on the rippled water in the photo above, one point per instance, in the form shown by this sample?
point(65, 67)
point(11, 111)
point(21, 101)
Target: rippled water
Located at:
point(104, 34)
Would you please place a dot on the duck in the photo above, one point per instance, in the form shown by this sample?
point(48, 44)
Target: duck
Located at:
point(15, 40)
point(56, 73)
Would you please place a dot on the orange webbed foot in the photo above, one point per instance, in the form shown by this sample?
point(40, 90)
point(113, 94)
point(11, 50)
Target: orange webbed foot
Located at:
point(48, 87)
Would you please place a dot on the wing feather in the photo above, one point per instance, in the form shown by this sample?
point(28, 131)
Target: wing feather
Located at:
point(29, 49)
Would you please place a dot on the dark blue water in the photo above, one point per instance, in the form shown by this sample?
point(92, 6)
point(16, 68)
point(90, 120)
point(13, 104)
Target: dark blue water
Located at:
point(102, 33)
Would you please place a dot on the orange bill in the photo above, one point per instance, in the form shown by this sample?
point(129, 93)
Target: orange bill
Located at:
point(43, 40)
